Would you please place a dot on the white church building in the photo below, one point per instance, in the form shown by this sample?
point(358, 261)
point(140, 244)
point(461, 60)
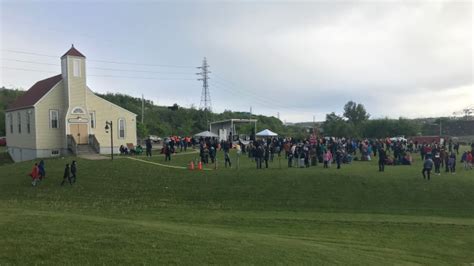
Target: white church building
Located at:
point(60, 115)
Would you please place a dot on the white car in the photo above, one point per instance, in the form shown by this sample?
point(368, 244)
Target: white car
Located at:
point(402, 139)
point(154, 138)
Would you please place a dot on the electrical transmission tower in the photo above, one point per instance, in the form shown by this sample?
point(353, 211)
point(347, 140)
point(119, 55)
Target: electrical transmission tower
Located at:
point(205, 94)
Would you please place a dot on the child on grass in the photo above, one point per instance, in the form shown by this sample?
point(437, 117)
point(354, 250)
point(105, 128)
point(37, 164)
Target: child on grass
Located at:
point(34, 175)
point(67, 175)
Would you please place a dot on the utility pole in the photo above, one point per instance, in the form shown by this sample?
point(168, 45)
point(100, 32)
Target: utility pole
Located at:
point(205, 94)
point(143, 108)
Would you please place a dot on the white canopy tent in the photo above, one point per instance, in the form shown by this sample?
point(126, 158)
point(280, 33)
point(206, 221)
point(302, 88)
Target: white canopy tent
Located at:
point(206, 134)
point(266, 133)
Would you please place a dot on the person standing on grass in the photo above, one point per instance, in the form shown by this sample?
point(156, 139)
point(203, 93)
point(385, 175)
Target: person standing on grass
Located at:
point(382, 158)
point(266, 155)
point(67, 175)
point(456, 148)
point(259, 156)
point(327, 159)
point(227, 159)
point(446, 161)
point(289, 156)
point(212, 153)
point(443, 155)
point(422, 151)
point(464, 159)
point(338, 158)
point(469, 159)
point(437, 163)
point(427, 166)
point(34, 175)
point(167, 153)
point(42, 171)
point(452, 163)
point(73, 171)
point(148, 147)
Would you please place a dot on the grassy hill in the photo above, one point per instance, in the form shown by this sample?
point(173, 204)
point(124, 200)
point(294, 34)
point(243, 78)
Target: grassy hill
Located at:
point(141, 212)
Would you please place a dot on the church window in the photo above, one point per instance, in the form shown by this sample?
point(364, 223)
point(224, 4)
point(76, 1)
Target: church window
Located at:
point(28, 118)
point(11, 123)
point(78, 111)
point(76, 67)
point(92, 119)
point(19, 122)
point(121, 128)
point(54, 118)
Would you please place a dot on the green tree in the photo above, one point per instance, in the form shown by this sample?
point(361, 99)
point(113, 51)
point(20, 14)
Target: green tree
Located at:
point(142, 130)
point(336, 126)
point(355, 113)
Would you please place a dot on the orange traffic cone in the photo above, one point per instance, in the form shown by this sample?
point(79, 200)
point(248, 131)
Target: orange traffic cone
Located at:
point(200, 165)
point(191, 165)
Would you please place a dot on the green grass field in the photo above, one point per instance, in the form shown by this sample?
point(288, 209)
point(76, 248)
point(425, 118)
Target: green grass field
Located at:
point(134, 212)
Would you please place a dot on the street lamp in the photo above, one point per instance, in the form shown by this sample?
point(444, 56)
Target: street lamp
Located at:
point(107, 124)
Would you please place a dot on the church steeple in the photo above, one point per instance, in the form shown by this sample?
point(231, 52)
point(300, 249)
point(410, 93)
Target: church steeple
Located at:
point(73, 68)
point(73, 64)
point(73, 52)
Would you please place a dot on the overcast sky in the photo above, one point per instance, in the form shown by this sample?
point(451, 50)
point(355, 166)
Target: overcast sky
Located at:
point(398, 58)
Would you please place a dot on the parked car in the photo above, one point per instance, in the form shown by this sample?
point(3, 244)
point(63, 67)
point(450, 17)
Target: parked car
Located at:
point(3, 141)
point(155, 139)
point(399, 138)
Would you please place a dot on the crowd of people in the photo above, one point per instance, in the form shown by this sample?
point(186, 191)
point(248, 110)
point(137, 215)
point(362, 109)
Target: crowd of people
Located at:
point(302, 153)
point(338, 151)
point(170, 146)
point(326, 151)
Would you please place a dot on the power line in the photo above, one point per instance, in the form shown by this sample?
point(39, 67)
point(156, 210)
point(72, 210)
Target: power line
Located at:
point(99, 68)
point(30, 62)
point(131, 77)
point(240, 95)
point(107, 76)
point(248, 91)
point(24, 69)
point(261, 100)
point(138, 64)
point(101, 60)
point(257, 100)
point(142, 71)
point(29, 53)
point(272, 101)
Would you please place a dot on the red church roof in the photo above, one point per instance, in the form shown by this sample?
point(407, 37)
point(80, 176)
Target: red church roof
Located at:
point(74, 52)
point(35, 93)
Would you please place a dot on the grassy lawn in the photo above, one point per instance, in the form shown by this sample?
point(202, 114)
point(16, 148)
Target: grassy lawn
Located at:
point(129, 212)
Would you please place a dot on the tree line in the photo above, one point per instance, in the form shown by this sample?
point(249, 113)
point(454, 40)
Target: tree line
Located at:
point(355, 122)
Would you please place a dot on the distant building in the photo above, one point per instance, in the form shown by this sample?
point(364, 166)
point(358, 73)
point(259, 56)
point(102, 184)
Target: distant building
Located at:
point(59, 114)
point(226, 130)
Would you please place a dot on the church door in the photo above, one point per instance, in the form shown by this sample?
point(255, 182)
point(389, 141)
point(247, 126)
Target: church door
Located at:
point(79, 133)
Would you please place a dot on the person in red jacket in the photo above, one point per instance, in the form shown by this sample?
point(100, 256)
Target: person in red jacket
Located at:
point(469, 159)
point(34, 175)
